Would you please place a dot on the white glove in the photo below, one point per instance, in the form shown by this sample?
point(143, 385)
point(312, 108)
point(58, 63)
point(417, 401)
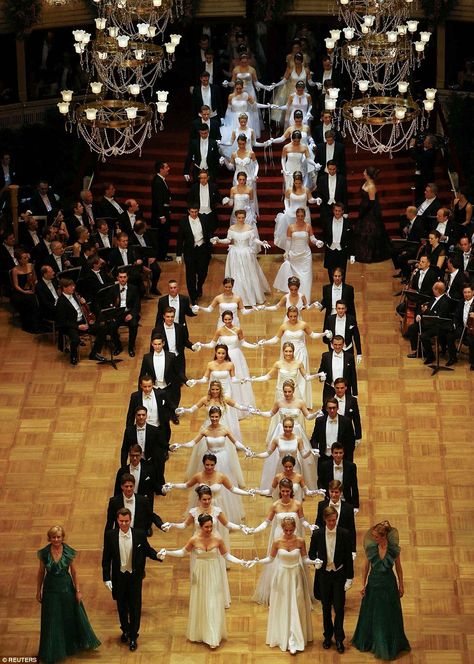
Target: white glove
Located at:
point(358, 359)
point(265, 245)
point(328, 334)
point(179, 260)
point(318, 563)
point(354, 555)
point(162, 554)
point(167, 487)
point(356, 511)
point(248, 564)
point(261, 342)
point(317, 167)
point(319, 244)
point(225, 200)
point(347, 585)
point(165, 526)
point(268, 143)
point(221, 161)
point(245, 529)
point(225, 84)
point(195, 309)
point(352, 260)
point(318, 305)
point(315, 452)
point(187, 178)
point(214, 240)
point(322, 377)
point(358, 442)
point(179, 411)
point(108, 585)
point(196, 347)
point(174, 447)
point(319, 201)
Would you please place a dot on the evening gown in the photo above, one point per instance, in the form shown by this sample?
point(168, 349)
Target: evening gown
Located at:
point(242, 265)
point(214, 511)
point(371, 242)
point(241, 392)
point(298, 339)
point(206, 621)
point(284, 219)
point(379, 628)
point(230, 503)
point(65, 628)
point(227, 459)
point(289, 617)
point(249, 167)
point(304, 465)
point(299, 264)
point(26, 305)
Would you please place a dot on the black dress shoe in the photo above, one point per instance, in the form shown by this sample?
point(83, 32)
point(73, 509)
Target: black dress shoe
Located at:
point(451, 361)
point(117, 350)
point(471, 368)
point(131, 352)
point(326, 644)
point(429, 360)
point(167, 259)
point(124, 637)
point(397, 275)
point(133, 645)
point(340, 647)
point(74, 359)
point(97, 357)
point(412, 356)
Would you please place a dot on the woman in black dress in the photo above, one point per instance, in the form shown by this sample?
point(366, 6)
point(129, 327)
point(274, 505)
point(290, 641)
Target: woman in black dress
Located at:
point(371, 243)
point(23, 298)
point(435, 251)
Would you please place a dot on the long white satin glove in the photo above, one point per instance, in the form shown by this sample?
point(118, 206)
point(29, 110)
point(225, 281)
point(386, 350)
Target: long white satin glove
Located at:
point(168, 525)
point(195, 308)
point(196, 347)
point(179, 260)
point(309, 526)
point(226, 200)
point(322, 377)
point(347, 585)
point(358, 359)
point(317, 335)
point(260, 379)
point(328, 334)
point(307, 561)
point(352, 260)
point(174, 485)
point(268, 342)
point(187, 178)
point(264, 561)
point(317, 305)
point(261, 527)
point(358, 442)
point(108, 585)
point(318, 563)
point(232, 559)
point(314, 492)
point(356, 511)
point(174, 553)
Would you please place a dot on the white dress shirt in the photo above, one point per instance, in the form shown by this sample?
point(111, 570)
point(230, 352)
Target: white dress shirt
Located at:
point(98, 276)
point(332, 428)
point(130, 504)
point(330, 549)
point(132, 219)
point(329, 153)
point(159, 367)
point(196, 228)
point(114, 203)
point(141, 437)
point(332, 190)
point(34, 237)
point(466, 310)
point(76, 306)
point(326, 127)
point(466, 258)
point(337, 472)
point(206, 95)
point(204, 199)
point(336, 294)
point(204, 148)
point(337, 228)
point(340, 327)
point(174, 302)
point(152, 409)
point(46, 202)
point(105, 240)
point(124, 254)
point(342, 405)
point(123, 297)
point(441, 227)
point(421, 277)
point(135, 471)
point(125, 549)
point(424, 205)
point(170, 332)
point(337, 365)
point(51, 287)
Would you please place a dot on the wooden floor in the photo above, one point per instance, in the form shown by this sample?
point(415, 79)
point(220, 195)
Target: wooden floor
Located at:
point(60, 436)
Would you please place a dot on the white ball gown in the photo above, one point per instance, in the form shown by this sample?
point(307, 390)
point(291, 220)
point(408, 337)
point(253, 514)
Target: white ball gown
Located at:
point(229, 420)
point(298, 339)
point(214, 511)
point(226, 147)
point(230, 503)
point(240, 105)
point(297, 161)
point(227, 459)
point(283, 92)
point(299, 264)
point(242, 265)
point(206, 621)
point(289, 617)
point(250, 168)
point(229, 306)
point(264, 585)
point(272, 464)
point(288, 216)
point(246, 78)
point(243, 202)
point(242, 393)
point(298, 103)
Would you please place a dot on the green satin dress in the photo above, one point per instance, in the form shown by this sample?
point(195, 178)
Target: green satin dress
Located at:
point(379, 628)
point(65, 628)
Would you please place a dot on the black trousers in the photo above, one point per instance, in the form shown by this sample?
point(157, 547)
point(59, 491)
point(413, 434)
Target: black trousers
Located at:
point(332, 595)
point(132, 325)
point(128, 596)
point(74, 335)
point(197, 265)
point(467, 339)
point(334, 258)
point(162, 233)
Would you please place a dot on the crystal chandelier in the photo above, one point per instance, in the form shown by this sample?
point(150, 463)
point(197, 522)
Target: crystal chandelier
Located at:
point(379, 51)
point(123, 64)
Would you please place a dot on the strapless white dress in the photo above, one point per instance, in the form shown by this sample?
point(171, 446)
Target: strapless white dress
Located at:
point(283, 92)
point(299, 264)
point(298, 339)
point(230, 503)
point(226, 148)
point(242, 265)
point(243, 202)
point(240, 105)
point(227, 459)
point(272, 465)
point(229, 306)
point(297, 161)
point(243, 392)
point(289, 619)
point(206, 621)
point(249, 167)
point(284, 219)
point(195, 512)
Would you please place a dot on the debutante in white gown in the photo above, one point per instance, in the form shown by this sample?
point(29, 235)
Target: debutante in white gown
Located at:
point(284, 219)
point(242, 393)
point(298, 103)
point(243, 202)
point(272, 464)
point(240, 105)
point(283, 92)
point(230, 503)
point(227, 459)
point(249, 167)
point(206, 621)
point(229, 306)
point(264, 585)
point(242, 265)
point(226, 148)
point(246, 78)
point(298, 339)
point(299, 264)
point(215, 511)
point(230, 389)
point(299, 305)
point(289, 618)
point(297, 161)
point(229, 420)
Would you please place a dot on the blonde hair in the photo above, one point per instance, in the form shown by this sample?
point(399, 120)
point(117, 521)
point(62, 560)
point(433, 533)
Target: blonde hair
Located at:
point(288, 521)
point(220, 398)
point(56, 529)
point(382, 528)
point(289, 383)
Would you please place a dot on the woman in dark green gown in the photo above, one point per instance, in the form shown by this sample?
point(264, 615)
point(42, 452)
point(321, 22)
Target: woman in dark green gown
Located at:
point(65, 628)
point(380, 625)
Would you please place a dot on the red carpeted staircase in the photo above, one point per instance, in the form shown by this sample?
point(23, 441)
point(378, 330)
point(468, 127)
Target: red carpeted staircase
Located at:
point(132, 176)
